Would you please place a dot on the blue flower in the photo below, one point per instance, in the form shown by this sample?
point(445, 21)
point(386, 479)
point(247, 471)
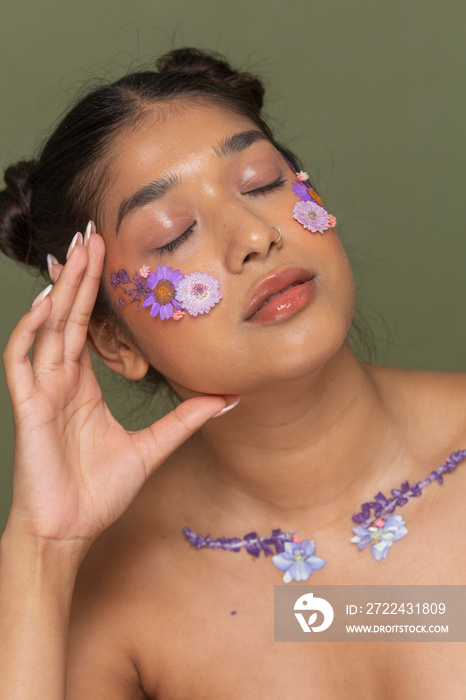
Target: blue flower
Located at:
point(298, 561)
point(381, 534)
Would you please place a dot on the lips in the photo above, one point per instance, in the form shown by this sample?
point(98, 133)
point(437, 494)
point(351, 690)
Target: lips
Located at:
point(273, 286)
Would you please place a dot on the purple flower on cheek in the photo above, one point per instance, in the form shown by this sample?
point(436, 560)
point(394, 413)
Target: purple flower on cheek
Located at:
point(123, 277)
point(167, 291)
point(198, 293)
point(114, 281)
point(311, 216)
point(163, 285)
point(300, 190)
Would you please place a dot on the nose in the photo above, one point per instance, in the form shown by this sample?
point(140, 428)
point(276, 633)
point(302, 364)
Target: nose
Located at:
point(249, 238)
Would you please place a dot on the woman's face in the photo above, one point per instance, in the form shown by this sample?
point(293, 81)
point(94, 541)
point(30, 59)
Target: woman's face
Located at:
point(217, 189)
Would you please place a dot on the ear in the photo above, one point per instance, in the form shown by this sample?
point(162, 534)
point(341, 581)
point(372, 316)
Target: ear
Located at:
point(117, 353)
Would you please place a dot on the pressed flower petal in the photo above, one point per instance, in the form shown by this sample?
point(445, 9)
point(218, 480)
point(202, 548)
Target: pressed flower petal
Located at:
point(299, 189)
point(123, 277)
point(380, 550)
point(151, 280)
point(308, 547)
point(312, 216)
point(394, 521)
point(144, 271)
point(176, 277)
point(198, 293)
point(401, 532)
point(155, 309)
point(360, 530)
point(300, 570)
point(316, 562)
point(287, 577)
point(166, 311)
point(282, 561)
point(290, 548)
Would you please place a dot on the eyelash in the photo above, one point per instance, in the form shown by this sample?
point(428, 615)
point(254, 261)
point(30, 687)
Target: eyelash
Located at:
point(279, 182)
point(170, 247)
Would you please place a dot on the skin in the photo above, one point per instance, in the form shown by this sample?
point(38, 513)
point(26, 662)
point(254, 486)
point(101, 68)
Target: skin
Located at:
point(315, 434)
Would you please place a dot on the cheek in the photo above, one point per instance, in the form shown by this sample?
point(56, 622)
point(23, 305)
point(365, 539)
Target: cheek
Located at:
point(189, 352)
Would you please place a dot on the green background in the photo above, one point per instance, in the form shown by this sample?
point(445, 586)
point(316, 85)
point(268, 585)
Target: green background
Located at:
point(370, 94)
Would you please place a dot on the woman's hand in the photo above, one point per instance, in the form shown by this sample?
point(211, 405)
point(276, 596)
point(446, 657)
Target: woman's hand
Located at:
point(76, 469)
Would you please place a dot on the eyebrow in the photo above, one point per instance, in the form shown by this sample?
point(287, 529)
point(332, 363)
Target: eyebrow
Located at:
point(231, 145)
point(147, 194)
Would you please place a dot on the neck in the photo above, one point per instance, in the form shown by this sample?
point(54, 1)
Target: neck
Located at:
point(310, 445)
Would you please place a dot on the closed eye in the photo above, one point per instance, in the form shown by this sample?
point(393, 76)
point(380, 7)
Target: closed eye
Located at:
point(279, 182)
point(170, 247)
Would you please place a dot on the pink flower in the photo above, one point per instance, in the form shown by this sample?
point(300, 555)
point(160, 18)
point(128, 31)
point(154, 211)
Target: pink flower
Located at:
point(302, 176)
point(144, 271)
point(198, 293)
point(313, 217)
point(177, 315)
point(332, 222)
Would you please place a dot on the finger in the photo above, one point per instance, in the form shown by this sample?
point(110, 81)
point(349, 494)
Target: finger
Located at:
point(78, 321)
point(18, 369)
point(53, 267)
point(159, 440)
point(49, 344)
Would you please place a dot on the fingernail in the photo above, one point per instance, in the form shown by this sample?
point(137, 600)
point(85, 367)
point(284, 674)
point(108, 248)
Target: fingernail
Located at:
point(40, 297)
point(90, 228)
point(226, 409)
point(51, 261)
point(78, 238)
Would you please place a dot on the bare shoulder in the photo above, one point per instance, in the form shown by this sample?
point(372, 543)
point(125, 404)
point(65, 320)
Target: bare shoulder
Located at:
point(101, 641)
point(119, 595)
point(426, 400)
point(436, 381)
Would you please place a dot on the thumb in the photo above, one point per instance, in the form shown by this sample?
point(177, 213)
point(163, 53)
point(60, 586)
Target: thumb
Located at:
point(160, 439)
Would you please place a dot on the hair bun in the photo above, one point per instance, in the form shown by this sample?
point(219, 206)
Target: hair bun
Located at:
point(188, 60)
point(15, 201)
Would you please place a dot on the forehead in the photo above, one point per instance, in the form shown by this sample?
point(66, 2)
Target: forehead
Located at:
point(178, 137)
point(176, 130)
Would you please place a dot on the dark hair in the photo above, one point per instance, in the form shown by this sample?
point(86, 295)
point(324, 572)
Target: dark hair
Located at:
point(48, 199)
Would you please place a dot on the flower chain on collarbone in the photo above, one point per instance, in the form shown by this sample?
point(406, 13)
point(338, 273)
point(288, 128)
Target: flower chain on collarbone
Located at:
point(296, 557)
point(168, 292)
point(383, 505)
point(253, 544)
point(380, 529)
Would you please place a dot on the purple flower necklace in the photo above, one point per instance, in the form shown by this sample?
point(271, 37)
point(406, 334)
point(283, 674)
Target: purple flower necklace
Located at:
point(377, 527)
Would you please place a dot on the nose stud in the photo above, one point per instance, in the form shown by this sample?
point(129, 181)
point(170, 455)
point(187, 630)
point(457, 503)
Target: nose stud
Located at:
point(279, 234)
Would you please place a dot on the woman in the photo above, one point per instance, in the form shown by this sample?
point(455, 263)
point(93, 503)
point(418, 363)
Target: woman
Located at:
point(188, 187)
